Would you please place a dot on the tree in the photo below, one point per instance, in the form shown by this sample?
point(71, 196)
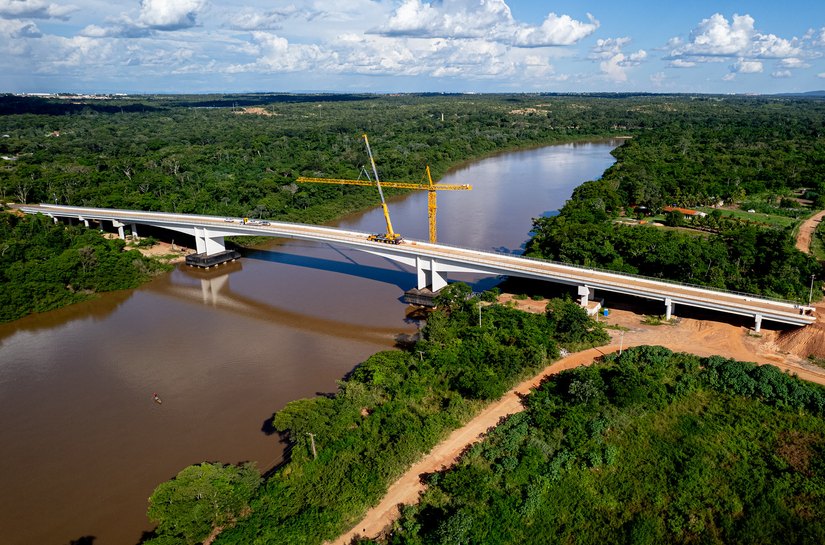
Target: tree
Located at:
point(201, 498)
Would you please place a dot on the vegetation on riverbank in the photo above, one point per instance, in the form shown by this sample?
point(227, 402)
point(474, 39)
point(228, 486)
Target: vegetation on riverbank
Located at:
point(648, 447)
point(393, 408)
point(754, 155)
point(209, 155)
point(44, 266)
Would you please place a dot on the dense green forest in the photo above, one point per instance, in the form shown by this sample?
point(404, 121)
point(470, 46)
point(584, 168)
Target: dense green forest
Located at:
point(176, 155)
point(44, 266)
point(748, 154)
point(649, 447)
point(208, 154)
point(390, 410)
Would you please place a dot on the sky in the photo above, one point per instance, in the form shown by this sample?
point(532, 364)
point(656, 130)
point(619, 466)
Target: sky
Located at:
point(389, 46)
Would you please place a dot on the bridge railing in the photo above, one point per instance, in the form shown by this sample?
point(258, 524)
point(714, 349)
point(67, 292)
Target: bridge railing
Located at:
point(108, 211)
point(629, 275)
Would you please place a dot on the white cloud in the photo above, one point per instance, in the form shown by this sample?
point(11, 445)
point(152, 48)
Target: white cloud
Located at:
point(613, 61)
point(769, 46)
point(716, 37)
point(555, 30)
point(12, 30)
point(34, 9)
point(681, 63)
point(477, 19)
point(821, 75)
point(170, 14)
point(121, 28)
point(793, 62)
point(743, 66)
point(270, 20)
point(781, 74)
point(276, 54)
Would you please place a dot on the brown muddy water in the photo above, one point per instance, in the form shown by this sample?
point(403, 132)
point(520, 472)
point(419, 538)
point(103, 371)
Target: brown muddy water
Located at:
point(84, 444)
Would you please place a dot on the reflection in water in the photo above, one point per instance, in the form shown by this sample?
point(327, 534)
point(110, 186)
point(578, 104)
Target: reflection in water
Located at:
point(214, 290)
point(83, 442)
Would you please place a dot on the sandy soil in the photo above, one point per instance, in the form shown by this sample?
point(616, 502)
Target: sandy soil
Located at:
point(255, 110)
point(164, 251)
point(806, 231)
point(701, 337)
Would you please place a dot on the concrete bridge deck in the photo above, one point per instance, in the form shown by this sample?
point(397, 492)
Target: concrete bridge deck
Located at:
point(432, 262)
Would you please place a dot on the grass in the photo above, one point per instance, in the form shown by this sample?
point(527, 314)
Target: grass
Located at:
point(656, 320)
point(772, 220)
point(817, 248)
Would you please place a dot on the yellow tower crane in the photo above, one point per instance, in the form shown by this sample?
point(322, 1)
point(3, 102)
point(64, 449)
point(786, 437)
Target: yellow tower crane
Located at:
point(430, 187)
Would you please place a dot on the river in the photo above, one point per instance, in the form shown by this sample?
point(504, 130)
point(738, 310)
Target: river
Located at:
point(83, 442)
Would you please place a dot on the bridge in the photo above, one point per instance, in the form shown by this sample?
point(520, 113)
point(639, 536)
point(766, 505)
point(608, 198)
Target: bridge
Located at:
point(432, 262)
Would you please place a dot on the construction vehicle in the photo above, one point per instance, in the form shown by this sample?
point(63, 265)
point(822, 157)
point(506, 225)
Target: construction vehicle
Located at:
point(432, 206)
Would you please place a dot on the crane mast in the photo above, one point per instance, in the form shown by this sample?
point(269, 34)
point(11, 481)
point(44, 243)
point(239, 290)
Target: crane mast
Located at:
point(390, 236)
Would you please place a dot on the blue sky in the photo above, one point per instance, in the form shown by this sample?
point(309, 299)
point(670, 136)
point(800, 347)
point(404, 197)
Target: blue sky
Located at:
point(183, 46)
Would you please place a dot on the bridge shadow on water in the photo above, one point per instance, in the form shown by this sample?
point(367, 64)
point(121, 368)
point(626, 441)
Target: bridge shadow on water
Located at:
point(395, 274)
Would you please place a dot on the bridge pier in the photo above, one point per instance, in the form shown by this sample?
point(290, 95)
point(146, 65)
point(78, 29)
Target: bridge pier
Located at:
point(120, 225)
point(206, 244)
point(134, 231)
point(670, 306)
point(429, 275)
point(586, 293)
point(758, 327)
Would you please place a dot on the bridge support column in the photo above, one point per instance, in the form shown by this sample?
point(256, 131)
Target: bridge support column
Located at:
point(432, 278)
point(758, 326)
point(586, 293)
point(134, 231)
point(206, 244)
point(670, 306)
point(119, 226)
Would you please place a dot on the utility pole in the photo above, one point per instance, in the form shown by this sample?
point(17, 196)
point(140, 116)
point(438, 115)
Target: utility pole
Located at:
point(621, 343)
point(312, 441)
point(811, 291)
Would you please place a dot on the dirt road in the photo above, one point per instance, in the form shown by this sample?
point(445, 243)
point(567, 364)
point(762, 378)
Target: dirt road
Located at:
point(806, 232)
point(701, 337)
